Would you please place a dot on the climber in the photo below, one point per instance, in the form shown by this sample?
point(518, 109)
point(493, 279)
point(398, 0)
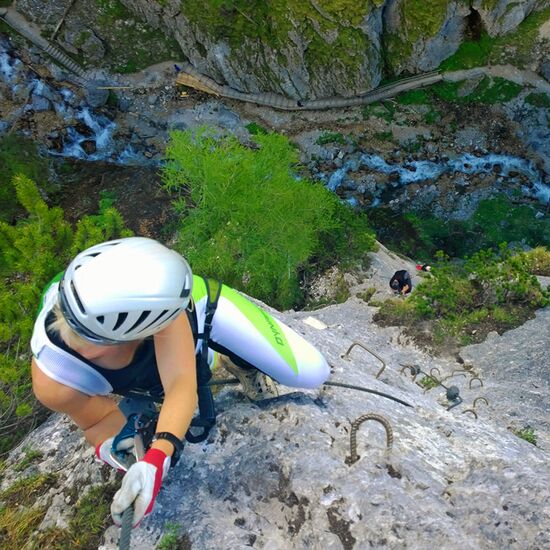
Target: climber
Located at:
point(401, 282)
point(128, 315)
point(423, 267)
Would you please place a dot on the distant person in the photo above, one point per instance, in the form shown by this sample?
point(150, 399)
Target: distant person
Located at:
point(401, 282)
point(423, 267)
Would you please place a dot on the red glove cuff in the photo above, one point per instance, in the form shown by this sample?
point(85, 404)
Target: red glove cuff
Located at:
point(160, 460)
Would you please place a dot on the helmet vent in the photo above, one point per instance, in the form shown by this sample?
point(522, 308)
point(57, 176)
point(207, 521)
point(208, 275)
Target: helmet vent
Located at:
point(172, 314)
point(121, 318)
point(184, 292)
point(76, 297)
point(100, 319)
point(140, 320)
point(157, 318)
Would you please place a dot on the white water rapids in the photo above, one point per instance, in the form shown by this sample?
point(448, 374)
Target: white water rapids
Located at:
point(83, 125)
point(424, 170)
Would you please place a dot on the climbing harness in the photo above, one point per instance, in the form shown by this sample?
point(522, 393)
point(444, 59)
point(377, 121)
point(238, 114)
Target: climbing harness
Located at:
point(207, 411)
point(139, 403)
point(140, 427)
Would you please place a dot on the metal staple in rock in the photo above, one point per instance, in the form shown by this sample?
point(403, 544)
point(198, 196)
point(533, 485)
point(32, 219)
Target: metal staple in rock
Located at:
point(371, 352)
point(479, 399)
point(452, 392)
point(478, 379)
point(354, 457)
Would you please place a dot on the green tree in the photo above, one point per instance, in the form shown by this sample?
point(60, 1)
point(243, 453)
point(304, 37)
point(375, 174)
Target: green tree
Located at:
point(249, 220)
point(31, 253)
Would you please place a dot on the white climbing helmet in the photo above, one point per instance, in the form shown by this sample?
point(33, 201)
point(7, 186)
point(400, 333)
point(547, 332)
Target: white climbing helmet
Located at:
point(124, 290)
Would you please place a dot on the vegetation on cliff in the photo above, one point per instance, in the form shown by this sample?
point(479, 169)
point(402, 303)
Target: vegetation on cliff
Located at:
point(32, 251)
point(243, 209)
point(491, 290)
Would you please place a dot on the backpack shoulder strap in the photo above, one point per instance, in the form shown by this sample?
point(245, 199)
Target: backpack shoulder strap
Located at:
point(207, 411)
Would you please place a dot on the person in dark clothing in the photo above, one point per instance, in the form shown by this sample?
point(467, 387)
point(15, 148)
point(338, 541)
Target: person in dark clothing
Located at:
point(401, 282)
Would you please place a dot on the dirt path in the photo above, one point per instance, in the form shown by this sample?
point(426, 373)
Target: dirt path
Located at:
point(165, 74)
point(519, 76)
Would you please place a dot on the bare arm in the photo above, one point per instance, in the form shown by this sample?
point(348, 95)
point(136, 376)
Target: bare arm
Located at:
point(175, 352)
point(98, 417)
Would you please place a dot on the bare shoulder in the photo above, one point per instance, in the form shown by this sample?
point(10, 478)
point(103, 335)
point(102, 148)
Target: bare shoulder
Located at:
point(176, 327)
point(52, 394)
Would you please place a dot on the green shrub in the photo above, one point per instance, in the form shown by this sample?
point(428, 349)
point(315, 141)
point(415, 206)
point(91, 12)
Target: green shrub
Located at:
point(414, 97)
point(538, 261)
point(171, 537)
point(331, 137)
point(383, 136)
point(31, 253)
point(499, 220)
point(496, 220)
point(491, 290)
point(528, 434)
point(516, 47)
point(471, 53)
point(367, 295)
point(255, 129)
point(249, 221)
point(488, 91)
point(31, 455)
point(20, 520)
point(432, 116)
point(494, 90)
point(380, 109)
point(540, 100)
point(428, 383)
point(18, 155)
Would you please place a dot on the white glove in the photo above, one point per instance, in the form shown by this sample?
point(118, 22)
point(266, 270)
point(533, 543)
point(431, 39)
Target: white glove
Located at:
point(140, 486)
point(103, 452)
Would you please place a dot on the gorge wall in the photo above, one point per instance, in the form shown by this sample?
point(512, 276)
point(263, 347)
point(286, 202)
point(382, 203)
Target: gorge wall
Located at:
point(303, 50)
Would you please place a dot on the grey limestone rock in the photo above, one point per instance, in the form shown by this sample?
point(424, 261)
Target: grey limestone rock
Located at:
point(503, 16)
point(273, 474)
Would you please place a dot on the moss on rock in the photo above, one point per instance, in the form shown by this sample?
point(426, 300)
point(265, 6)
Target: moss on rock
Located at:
point(418, 20)
point(332, 33)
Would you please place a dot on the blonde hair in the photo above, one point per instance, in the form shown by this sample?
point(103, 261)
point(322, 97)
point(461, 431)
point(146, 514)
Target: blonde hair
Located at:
point(60, 326)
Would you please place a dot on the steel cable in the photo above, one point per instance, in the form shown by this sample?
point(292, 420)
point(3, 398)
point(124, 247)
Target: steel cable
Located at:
point(126, 529)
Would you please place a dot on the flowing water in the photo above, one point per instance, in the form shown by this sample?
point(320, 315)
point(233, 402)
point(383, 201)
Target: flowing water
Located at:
point(425, 170)
point(91, 136)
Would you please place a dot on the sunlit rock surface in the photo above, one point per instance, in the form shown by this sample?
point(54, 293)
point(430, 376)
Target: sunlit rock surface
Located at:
point(274, 474)
point(302, 50)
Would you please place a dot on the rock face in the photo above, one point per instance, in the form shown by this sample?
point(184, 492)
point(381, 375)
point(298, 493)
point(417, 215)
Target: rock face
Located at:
point(502, 16)
point(274, 474)
point(302, 50)
point(418, 35)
